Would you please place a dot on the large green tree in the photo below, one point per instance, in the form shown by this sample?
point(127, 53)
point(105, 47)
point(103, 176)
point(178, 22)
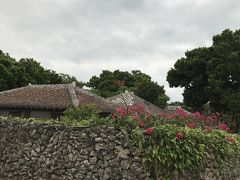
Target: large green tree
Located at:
point(8, 72)
point(140, 83)
point(20, 73)
point(210, 74)
point(36, 74)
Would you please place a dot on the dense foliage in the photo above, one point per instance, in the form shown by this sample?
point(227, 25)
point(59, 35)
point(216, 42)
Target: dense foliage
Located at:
point(106, 85)
point(178, 142)
point(87, 115)
point(211, 74)
point(20, 73)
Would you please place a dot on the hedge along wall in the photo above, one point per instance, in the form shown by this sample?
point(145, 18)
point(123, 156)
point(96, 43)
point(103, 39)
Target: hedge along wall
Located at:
point(41, 151)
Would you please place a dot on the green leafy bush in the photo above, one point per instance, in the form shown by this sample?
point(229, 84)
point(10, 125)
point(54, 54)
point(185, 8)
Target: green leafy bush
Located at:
point(85, 115)
point(178, 142)
point(83, 112)
point(171, 148)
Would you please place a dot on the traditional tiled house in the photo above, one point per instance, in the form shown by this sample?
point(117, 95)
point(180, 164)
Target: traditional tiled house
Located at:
point(173, 109)
point(49, 101)
point(128, 99)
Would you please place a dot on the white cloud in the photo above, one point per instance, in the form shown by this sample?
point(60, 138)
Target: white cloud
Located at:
point(82, 37)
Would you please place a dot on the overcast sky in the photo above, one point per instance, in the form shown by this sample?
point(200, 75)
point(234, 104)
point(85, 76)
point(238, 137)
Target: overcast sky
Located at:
point(83, 37)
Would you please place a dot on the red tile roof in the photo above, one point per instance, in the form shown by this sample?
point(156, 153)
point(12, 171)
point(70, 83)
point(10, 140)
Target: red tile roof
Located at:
point(51, 97)
point(85, 97)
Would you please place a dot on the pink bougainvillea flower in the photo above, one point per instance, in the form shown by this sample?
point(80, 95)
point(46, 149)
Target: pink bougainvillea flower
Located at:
point(149, 131)
point(207, 128)
point(198, 114)
point(224, 127)
point(122, 112)
point(192, 125)
point(140, 108)
point(217, 114)
point(142, 124)
point(230, 139)
point(181, 112)
point(203, 117)
point(180, 135)
point(214, 116)
point(168, 116)
point(135, 117)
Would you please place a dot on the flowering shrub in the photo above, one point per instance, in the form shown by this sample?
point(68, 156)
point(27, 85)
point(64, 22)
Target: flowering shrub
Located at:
point(223, 127)
point(149, 131)
point(121, 112)
point(208, 129)
point(180, 135)
point(141, 117)
point(177, 141)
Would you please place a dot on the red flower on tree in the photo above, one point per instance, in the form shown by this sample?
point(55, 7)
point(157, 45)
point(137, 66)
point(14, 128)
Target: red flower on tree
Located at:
point(180, 135)
point(149, 131)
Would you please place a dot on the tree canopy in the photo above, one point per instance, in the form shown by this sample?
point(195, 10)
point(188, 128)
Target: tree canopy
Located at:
point(140, 83)
point(8, 72)
point(211, 74)
point(20, 73)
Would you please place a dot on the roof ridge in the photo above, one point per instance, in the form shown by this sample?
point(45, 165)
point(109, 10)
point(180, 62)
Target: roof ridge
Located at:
point(74, 99)
point(12, 90)
point(48, 85)
point(89, 93)
point(35, 86)
point(93, 95)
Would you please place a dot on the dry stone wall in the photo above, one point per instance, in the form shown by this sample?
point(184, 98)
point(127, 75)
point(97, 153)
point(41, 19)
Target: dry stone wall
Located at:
point(40, 151)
